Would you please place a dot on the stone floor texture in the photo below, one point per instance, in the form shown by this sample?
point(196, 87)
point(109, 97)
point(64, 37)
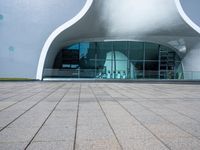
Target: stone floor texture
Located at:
point(99, 116)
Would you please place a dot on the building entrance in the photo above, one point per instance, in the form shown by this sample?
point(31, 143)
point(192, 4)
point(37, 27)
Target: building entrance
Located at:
point(116, 60)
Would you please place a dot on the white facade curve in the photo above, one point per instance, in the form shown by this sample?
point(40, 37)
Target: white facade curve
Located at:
point(155, 21)
point(185, 17)
point(56, 33)
point(30, 43)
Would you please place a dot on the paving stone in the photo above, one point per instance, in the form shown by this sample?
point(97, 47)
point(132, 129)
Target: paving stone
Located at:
point(161, 114)
point(183, 143)
point(5, 104)
point(17, 134)
point(56, 145)
point(28, 122)
point(143, 144)
point(59, 122)
point(98, 144)
point(55, 134)
point(128, 130)
point(13, 145)
point(93, 130)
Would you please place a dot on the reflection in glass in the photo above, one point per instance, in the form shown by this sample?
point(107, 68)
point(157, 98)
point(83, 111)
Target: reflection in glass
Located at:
point(117, 60)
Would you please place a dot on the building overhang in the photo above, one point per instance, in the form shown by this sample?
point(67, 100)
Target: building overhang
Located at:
point(130, 20)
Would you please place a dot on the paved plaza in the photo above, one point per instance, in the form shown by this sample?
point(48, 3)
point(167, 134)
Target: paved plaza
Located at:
point(99, 116)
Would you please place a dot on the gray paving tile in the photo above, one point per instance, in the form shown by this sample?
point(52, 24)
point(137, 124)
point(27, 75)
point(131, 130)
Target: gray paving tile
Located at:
point(128, 130)
point(5, 104)
point(55, 134)
point(17, 134)
point(93, 131)
point(61, 122)
point(13, 145)
point(183, 143)
point(160, 113)
point(28, 122)
point(56, 145)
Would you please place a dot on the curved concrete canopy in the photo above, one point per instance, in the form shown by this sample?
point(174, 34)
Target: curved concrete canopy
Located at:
point(158, 21)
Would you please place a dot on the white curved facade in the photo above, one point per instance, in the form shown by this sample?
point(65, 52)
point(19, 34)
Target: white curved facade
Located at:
point(31, 42)
point(158, 21)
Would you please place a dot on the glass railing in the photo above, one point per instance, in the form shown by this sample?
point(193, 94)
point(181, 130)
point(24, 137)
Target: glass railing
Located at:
point(191, 75)
point(120, 74)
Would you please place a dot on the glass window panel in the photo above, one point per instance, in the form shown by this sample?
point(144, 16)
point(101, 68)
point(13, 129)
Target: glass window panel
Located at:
point(73, 46)
point(104, 69)
point(84, 50)
point(136, 69)
point(151, 65)
point(91, 51)
point(102, 49)
point(120, 69)
point(87, 69)
point(136, 50)
point(121, 47)
point(87, 63)
point(151, 70)
point(151, 51)
point(118, 60)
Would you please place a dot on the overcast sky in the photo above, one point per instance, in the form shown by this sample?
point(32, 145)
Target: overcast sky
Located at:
point(192, 8)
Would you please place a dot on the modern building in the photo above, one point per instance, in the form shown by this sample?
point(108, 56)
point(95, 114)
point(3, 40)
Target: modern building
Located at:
point(98, 39)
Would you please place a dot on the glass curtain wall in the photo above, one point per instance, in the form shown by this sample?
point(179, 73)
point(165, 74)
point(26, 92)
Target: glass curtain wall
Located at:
point(116, 60)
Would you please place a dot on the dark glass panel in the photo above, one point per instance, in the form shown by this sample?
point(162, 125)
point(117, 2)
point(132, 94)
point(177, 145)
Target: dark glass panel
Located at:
point(151, 69)
point(136, 51)
point(136, 69)
point(121, 47)
point(151, 51)
point(102, 49)
point(117, 60)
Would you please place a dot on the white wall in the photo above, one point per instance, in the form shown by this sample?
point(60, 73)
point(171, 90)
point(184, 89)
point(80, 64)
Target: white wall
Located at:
point(25, 26)
point(191, 63)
